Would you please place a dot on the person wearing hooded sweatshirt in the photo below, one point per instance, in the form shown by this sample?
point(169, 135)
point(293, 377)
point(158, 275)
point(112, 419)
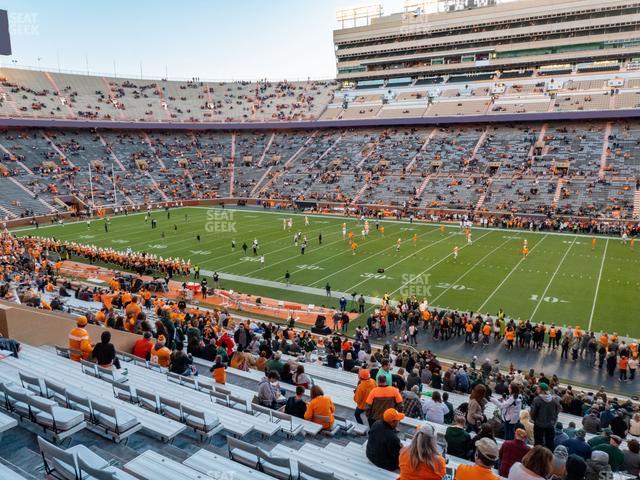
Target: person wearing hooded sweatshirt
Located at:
point(598, 466)
point(560, 435)
point(365, 385)
point(525, 421)
point(576, 468)
point(544, 414)
point(269, 391)
point(559, 462)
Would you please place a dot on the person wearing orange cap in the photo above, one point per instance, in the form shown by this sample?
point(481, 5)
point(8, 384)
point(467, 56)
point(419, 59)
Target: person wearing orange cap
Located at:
point(383, 445)
point(365, 385)
point(160, 354)
point(80, 341)
point(320, 408)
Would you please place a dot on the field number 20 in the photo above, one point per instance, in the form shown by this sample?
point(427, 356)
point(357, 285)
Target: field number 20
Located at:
point(451, 286)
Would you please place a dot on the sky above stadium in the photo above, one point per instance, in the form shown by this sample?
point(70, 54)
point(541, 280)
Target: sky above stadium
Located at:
point(214, 39)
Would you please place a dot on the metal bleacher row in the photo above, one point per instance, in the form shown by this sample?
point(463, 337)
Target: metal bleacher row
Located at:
point(68, 383)
point(165, 405)
point(78, 388)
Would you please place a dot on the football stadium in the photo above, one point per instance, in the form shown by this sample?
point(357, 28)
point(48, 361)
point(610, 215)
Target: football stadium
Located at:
point(383, 241)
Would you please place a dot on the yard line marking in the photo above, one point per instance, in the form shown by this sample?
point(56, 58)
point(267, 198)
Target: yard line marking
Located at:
point(340, 239)
point(174, 239)
point(262, 252)
point(509, 275)
point(470, 269)
point(595, 297)
point(544, 294)
point(426, 270)
point(373, 255)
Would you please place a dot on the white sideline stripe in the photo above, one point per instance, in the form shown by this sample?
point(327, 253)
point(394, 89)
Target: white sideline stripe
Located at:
point(544, 294)
point(595, 296)
point(506, 231)
point(472, 267)
point(508, 275)
point(319, 292)
point(413, 277)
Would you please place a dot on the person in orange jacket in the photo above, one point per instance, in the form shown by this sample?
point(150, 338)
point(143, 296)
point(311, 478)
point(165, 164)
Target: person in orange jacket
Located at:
point(160, 354)
point(365, 385)
point(320, 409)
point(219, 371)
point(79, 340)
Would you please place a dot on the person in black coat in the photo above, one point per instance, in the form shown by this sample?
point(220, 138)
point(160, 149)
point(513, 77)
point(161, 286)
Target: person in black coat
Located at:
point(104, 353)
point(383, 447)
point(295, 405)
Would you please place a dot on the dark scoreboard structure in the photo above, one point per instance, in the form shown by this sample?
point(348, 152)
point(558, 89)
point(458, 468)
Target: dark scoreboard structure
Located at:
point(5, 40)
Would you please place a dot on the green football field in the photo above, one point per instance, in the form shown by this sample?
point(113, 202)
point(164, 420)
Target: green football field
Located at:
point(562, 280)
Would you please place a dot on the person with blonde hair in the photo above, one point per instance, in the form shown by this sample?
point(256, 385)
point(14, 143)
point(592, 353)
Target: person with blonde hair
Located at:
point(422, 460)
point(525, 420)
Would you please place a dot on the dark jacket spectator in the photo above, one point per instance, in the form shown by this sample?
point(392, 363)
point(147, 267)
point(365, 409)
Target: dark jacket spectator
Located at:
point(104, 352)
point(383, 447)
point(632, 457)
point(577, 445)
point(458, 439)
point(296, 405)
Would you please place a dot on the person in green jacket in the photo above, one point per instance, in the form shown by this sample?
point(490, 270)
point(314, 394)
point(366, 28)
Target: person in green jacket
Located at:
point(458, 439)
point(616, 457)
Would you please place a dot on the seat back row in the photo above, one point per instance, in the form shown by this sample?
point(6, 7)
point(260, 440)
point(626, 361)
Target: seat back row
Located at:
point(282, 467)
point(104, 419)
point(59, 421)
point(63, 376)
